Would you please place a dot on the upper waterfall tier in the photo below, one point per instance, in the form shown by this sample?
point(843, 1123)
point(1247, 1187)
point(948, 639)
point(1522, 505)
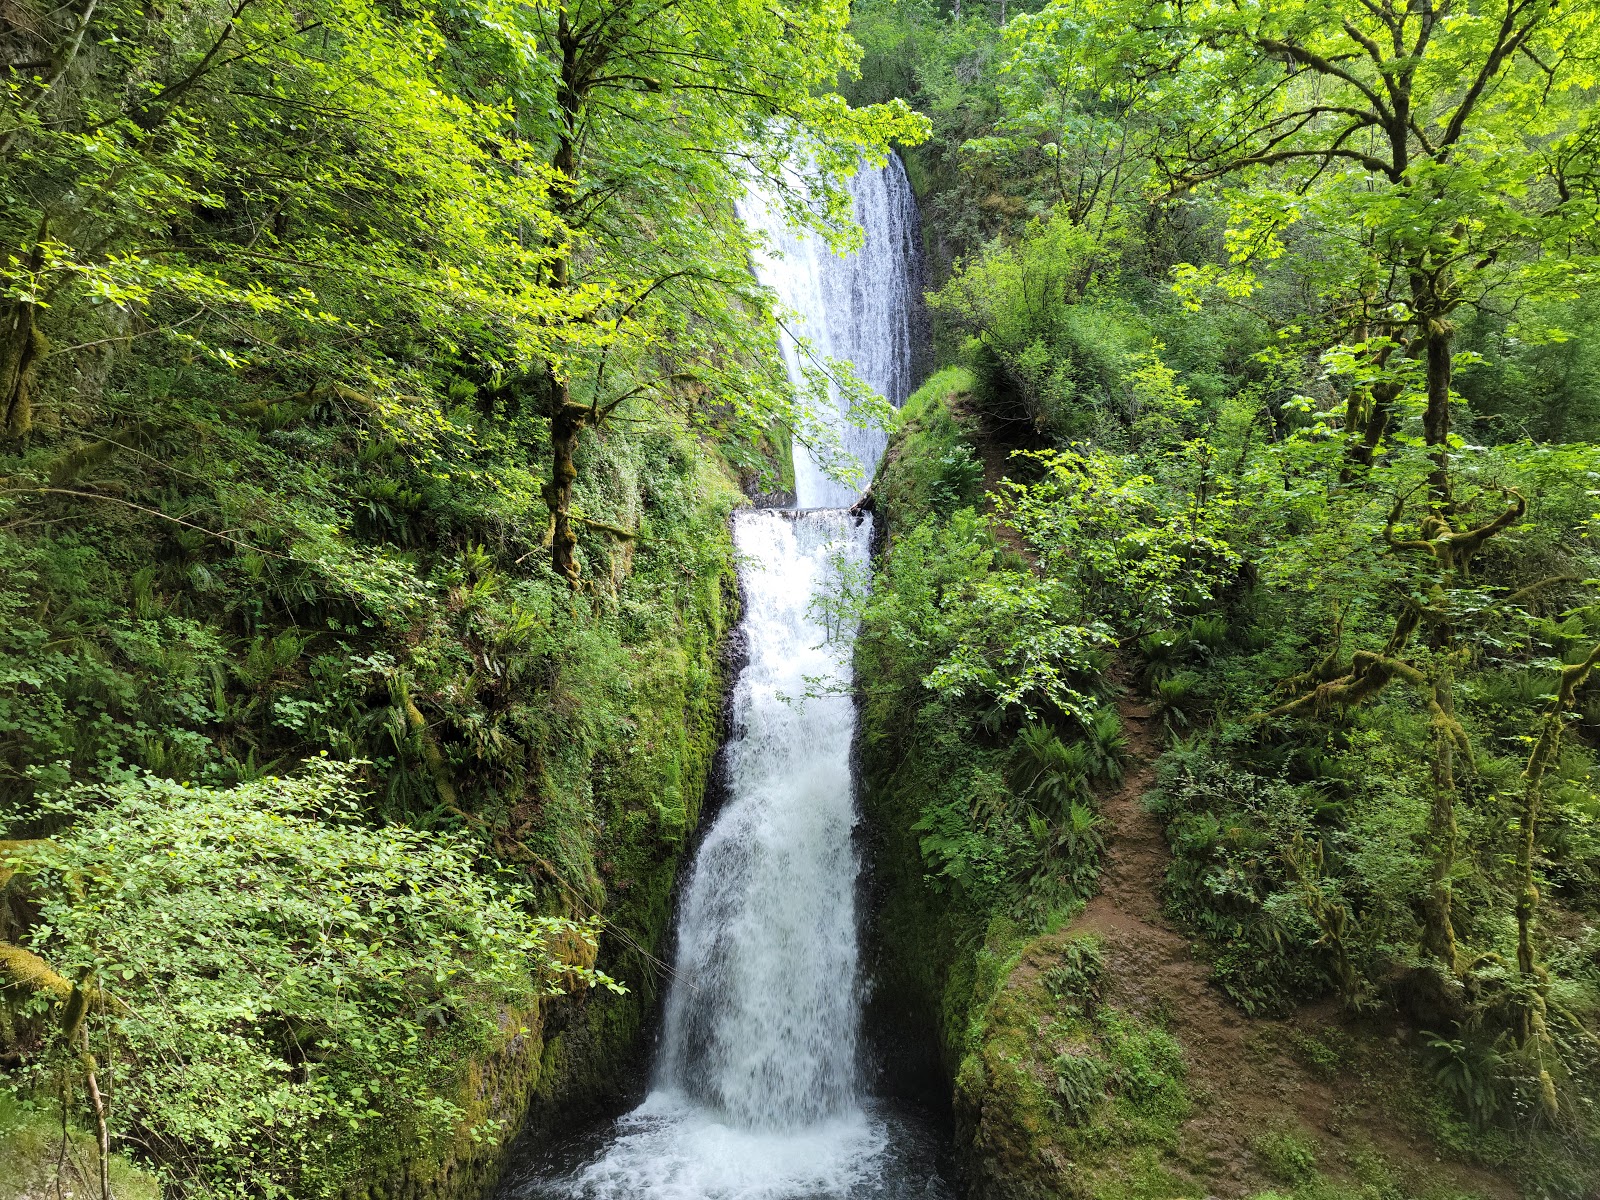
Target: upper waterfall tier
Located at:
point(860, 307)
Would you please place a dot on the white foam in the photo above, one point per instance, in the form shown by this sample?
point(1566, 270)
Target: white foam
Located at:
point(673, 1149)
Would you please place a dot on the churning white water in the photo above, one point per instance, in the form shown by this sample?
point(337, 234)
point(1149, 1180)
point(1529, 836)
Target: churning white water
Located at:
point(756, 1093)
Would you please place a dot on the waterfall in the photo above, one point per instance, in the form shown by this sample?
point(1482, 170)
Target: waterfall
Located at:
point(761, 1025)
point(756, 1093)
point(861, 308)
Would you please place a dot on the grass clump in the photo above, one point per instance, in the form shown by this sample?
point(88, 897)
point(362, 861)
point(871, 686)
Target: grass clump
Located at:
point(1288, 1156)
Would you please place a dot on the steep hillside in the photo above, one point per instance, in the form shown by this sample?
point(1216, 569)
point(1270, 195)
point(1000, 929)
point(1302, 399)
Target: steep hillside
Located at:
point(569, 736)
point(1102, 1024)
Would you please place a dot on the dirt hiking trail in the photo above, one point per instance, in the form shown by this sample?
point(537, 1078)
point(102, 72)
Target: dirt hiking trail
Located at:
point(1243, 1076)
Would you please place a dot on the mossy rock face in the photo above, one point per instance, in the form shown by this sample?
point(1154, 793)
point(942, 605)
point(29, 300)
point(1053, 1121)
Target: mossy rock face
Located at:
point(1010, 1128)
point(1061, 1094)
point(34, 1165)
point(575, 1055)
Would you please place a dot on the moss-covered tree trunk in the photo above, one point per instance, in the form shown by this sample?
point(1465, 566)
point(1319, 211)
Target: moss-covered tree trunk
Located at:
point(1544, 752)
point(22, 348)
point(566, 423)
point(1439, 933)
point(1436, 417)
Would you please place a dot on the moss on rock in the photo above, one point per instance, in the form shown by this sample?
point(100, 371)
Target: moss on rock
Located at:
point(575, 1056)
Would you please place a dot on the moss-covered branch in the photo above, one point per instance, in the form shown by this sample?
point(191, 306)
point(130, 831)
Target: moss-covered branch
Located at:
point(1453, 549)
point(25, 969)
point(1544, 752)
point(1368, 675)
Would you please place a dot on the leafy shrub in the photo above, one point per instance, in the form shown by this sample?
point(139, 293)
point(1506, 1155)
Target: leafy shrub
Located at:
point(1052, 772)
point(959, 481)
point(1230, 882)
point(1468, 1072)
point(1107, 742)
point(278, 973)
point(1174, 695)
point(1287, 1156)
point(1210, 632)
point(1162, 653)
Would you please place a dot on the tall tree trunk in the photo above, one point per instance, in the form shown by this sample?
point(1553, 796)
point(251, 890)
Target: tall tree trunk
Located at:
point(1432, 293)
point(566, 423)
point(1534, 1031)
point(566, 418)
point(1544, 753)
point(21, 349)
point(1355, 406)
point(1436, 417)
point(1439, 932)
point(1379, 414)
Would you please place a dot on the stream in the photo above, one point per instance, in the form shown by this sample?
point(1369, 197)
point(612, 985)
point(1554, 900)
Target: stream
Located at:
point(758, 1090)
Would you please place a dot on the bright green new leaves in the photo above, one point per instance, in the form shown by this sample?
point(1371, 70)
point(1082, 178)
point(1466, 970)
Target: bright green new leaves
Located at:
point(1135, 550)
point(656, 119)
point(276, 973)
point(1010, 638)
point(1082, 109)
point(1412, 159)
point(273, 186)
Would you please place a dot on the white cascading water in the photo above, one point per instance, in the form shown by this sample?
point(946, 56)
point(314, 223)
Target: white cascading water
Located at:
point(859, 308)
point(761, 1024)
point(756, 1093)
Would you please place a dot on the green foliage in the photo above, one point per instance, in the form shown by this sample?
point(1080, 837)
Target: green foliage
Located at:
point(276, 657)
point(1241, 567)
point(1051, 771)
point(1524, 382)
point(1148, 1067)
point(959, 482)
point(569, 735)
point(1133, 548)
point(1469, 1072)
point(281, 974)
point(1080, 1081)
point(1287, 1156)
point(933, 470)
point(1107, 743)
point(1077, 978)
point(1325, 1051)
point(971, 647)
point(1266, 356)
